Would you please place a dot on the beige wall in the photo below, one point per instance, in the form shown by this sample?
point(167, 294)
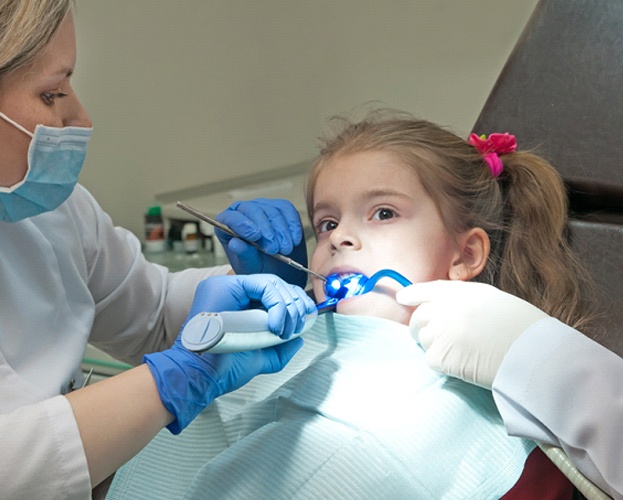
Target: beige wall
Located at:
point(185, 92)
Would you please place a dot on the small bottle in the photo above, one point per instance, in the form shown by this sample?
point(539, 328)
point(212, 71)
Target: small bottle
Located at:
point(175, 237)
point(190, 237)
point(154, 230)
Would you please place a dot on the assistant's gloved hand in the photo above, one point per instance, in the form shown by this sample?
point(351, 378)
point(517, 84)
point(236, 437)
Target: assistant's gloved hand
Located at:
point(275, 225)
point(466, 328)
point(188, 382)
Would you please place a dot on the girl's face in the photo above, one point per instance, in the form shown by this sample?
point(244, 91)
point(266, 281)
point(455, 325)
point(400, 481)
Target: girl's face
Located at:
point(38, 94)
point(370, 213)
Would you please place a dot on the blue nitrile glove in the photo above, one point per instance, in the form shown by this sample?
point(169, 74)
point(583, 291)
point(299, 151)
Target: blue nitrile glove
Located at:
point(188, 382)
point(287, 305)
point(275, 225)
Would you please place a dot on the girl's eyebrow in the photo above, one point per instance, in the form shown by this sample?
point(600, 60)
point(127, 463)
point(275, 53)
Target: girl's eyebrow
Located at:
point(368, 195)
point(321, 205)
point(380, 193)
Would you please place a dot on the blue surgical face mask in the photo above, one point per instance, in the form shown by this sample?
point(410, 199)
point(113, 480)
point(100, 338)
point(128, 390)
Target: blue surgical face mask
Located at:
point(55, 158)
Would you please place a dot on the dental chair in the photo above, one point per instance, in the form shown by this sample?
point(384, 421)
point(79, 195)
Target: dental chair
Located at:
point(560, 93)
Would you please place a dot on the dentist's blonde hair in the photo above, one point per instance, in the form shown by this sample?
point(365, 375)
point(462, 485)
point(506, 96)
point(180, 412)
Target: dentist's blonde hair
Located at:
point(523, 211)
point(26, 27)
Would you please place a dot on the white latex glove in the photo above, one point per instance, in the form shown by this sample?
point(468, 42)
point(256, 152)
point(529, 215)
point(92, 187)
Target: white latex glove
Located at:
point(466, 328)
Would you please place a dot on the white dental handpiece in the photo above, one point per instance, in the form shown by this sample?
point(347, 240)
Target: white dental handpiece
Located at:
point(233, 331)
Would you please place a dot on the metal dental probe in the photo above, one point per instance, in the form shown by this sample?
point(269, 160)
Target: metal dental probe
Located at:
point(228, 230)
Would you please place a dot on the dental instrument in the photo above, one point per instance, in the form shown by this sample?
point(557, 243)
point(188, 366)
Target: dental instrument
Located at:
point(233, 331)
point(339, 287)
point(228, 230)
point(358, 284)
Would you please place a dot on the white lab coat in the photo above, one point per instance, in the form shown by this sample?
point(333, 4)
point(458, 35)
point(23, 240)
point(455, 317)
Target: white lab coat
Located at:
point(69, 277)
point(558, 387)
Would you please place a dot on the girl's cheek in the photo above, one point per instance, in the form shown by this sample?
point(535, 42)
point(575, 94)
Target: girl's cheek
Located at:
point(318, 289)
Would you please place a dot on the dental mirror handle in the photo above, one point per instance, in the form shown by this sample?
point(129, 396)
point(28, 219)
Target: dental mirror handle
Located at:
point(231, 232)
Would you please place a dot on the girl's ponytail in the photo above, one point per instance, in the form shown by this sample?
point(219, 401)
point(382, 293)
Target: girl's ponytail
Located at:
point(536, 262)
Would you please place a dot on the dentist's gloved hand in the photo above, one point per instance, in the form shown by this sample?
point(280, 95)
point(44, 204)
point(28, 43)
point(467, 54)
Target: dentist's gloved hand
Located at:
point(275, 225)
point(287, 305)
point(466, 328)
point(187, 382)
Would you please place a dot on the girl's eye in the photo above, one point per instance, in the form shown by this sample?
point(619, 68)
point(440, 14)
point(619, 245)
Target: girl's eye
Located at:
point(384, 214)
point(49, 97)
point(325, 226)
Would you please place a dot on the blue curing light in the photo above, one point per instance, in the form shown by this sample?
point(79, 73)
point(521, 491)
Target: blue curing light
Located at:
point(358, 284)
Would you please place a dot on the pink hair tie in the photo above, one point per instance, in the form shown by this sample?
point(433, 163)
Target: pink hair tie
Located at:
point(492, 146)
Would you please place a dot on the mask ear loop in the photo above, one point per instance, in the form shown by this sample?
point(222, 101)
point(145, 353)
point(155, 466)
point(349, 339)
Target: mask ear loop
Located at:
point(16, 125)
point(12, 188)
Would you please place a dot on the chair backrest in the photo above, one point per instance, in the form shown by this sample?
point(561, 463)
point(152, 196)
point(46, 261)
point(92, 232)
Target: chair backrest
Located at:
point(561, 93)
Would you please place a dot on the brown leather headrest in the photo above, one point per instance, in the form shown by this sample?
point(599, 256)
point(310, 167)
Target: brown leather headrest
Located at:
point(561, 93)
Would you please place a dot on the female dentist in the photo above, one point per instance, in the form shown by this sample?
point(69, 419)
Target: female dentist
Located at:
point(550, 382)
point(68, 277)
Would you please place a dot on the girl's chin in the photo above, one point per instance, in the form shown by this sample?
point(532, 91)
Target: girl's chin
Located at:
point(375, 305)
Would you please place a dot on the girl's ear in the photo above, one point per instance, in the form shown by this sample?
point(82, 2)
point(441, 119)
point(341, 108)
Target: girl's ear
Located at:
point(473, 252)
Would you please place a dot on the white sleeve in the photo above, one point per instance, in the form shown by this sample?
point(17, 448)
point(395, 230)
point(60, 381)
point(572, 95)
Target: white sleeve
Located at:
point(139, 306)
point(557, 386)
point(181, 288)
point(42, 454)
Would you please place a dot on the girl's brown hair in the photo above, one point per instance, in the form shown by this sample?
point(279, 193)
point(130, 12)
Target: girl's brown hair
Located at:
point(523, 211)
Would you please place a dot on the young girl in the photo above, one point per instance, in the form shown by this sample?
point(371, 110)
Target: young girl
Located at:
point(391, 191)
point(358, 413)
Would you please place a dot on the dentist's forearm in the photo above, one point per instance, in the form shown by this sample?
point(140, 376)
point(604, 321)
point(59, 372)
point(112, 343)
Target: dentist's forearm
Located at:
point(117, 417)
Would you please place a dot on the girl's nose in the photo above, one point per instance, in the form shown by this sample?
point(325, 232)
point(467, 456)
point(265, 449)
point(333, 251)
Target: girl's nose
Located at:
point(344, 237)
